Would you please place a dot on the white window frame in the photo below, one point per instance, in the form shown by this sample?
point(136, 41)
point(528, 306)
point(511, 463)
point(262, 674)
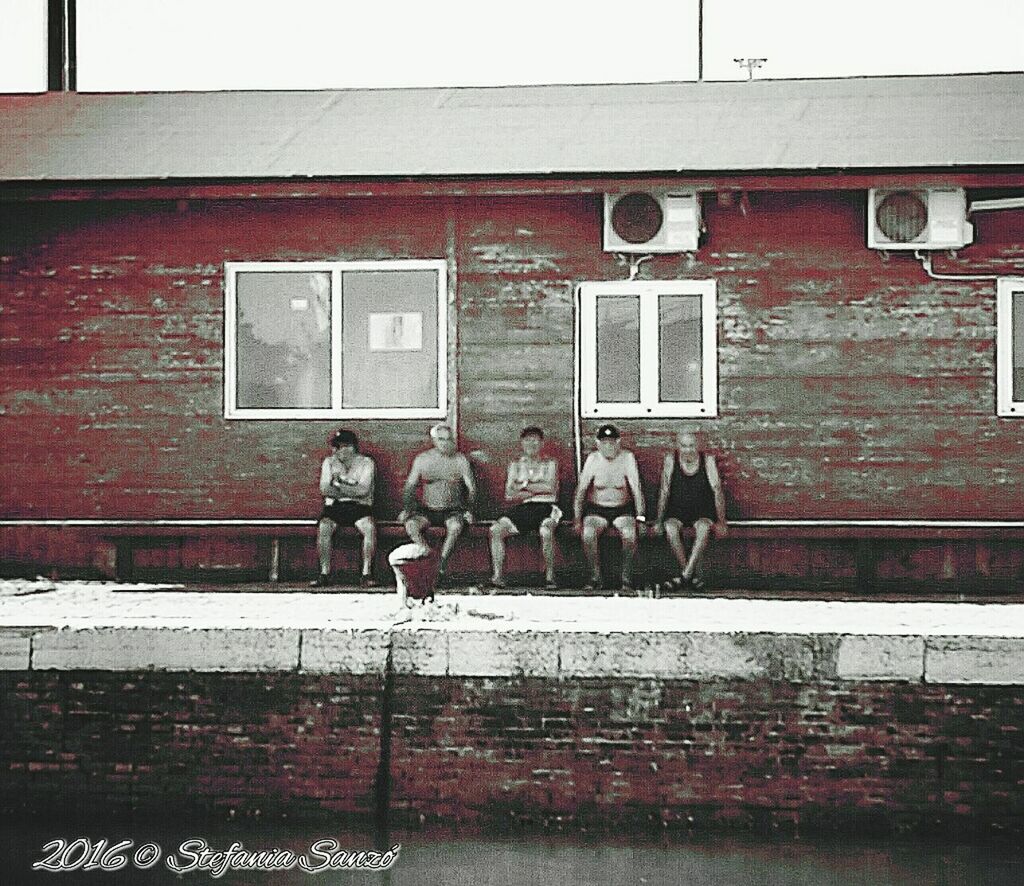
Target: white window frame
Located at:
point(649, 406)
point(1005, 404)
point(335, 410)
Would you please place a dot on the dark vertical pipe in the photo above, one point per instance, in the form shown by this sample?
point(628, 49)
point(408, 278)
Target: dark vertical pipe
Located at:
point(55, 45)
point(700, 40)
point(72, 44)
point(62, 54)
point(382, 787)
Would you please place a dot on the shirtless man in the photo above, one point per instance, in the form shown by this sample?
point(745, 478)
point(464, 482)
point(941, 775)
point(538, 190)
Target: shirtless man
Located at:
point(531, 488)
point(690, 495)
point(346, 483)
point(447, 497)
point(609, 492)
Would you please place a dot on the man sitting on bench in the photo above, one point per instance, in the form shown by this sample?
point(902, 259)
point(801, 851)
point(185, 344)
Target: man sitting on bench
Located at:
point(447, 497)
point(346, 483)
point(609, 493)
point(690, 495)
point(531, 488)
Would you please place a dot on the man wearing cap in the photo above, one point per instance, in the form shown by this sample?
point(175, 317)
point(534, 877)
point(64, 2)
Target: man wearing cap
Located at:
point(531, 488)
point(448, 492)
point(609, 492)
point(346, 483)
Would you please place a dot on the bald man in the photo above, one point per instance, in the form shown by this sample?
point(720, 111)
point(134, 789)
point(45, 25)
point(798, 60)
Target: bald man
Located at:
point(690, 495)
point(439, 491)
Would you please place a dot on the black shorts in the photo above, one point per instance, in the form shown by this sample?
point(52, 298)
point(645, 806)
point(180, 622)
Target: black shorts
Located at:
point(439, 518)
point(528, 516)
point(689, 516)
point(609, 514)
point(345, 513)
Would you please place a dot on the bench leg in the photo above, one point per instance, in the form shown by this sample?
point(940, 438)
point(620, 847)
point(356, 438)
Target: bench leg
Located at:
point(867, 566)
point(124, 559)
point(275, 559)
point(105, 560)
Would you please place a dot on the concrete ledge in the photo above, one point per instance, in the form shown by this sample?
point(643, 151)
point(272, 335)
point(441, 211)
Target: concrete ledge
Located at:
point(419, 651)
point(794, 658)
point(655, 654)
point(880, 658)
point(501, 654)
point(171, 649)
point(350, 651)
point(990, 660)
point(79, 626)
point(15, 649)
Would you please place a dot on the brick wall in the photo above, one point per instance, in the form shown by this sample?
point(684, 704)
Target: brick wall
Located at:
point(576, 752)
point(599, 753)
point(74, 742)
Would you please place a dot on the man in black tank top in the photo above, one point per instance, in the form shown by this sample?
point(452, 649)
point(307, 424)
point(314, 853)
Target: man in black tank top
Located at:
point(690, 495)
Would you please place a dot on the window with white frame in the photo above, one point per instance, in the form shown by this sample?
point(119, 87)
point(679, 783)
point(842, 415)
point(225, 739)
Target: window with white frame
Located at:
point(327, 339)
point(1010, 347)
point(648, 348)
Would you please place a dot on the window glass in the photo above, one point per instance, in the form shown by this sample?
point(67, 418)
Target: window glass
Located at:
point(389, 338)
point(648, 349)
point(283, 342)
point(618, 349)
point(680, 354)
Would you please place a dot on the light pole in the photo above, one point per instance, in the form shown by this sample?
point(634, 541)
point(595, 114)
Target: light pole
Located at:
point(700, 40)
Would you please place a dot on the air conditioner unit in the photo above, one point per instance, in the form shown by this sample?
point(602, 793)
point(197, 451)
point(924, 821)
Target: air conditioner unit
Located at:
point(921, 218)
point(658, 221)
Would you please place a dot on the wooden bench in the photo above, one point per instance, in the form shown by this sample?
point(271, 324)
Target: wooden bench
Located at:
point(873, 540)
point(125, 538)
point(867, 542)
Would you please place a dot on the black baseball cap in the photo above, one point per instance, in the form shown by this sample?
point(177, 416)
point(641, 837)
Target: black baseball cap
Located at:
point(607, 432)
point(344, 437)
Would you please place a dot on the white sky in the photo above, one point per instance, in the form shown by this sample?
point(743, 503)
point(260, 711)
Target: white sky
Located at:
point(126, 45)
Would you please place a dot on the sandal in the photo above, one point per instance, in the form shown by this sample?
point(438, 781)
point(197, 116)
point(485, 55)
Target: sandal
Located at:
point(697, 584)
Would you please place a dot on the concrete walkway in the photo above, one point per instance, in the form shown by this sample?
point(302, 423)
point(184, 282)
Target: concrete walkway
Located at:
point(95, 625)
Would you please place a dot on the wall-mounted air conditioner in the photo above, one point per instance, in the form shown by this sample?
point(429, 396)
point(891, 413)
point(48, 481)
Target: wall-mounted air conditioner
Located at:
point(651, 221)
point(918, 218)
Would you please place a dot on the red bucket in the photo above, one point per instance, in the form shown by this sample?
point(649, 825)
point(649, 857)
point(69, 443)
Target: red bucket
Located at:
point(416, 570)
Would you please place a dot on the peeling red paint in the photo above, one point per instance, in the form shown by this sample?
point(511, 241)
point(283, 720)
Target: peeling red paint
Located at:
point(112, 324)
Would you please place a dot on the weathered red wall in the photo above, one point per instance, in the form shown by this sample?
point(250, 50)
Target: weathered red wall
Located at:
point(850, 385)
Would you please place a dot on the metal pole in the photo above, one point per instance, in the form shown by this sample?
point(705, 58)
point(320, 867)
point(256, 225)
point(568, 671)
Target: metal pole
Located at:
point(700, 40)
point(62, 50)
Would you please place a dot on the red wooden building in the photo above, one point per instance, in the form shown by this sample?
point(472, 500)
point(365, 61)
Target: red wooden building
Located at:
point(196, 288)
